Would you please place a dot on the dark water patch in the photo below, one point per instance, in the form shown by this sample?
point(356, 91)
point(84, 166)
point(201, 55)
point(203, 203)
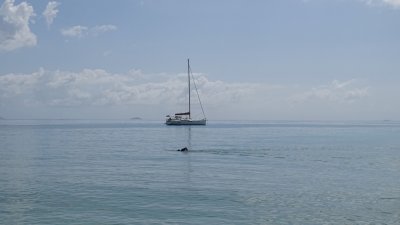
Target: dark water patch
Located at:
point(387, 213)
point(390, 198)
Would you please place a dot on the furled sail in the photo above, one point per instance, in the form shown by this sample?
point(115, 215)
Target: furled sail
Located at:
point(182, 114)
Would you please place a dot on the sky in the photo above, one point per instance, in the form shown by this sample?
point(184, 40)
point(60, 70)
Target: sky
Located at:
point(252, 60)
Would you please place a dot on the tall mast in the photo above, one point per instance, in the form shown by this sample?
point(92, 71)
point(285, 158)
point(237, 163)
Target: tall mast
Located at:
point(189, 85)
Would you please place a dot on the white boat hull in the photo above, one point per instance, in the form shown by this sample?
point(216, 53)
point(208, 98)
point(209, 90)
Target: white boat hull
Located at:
point(185, 122)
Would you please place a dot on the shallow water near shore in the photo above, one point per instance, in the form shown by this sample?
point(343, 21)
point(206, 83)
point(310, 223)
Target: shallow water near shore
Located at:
point(235, 172)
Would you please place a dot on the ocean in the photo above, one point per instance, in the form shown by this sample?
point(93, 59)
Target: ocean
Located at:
point(235, 172)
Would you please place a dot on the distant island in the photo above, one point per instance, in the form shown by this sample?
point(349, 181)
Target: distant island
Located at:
point(136, 118)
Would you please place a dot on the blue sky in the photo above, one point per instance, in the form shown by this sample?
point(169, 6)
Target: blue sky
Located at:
point(286, 59)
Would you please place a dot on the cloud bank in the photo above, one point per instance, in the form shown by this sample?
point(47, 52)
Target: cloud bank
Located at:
point(156, 95)
point(14, 26)
point(98, 87)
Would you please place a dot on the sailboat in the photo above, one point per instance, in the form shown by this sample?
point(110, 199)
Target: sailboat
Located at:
point(185, 118)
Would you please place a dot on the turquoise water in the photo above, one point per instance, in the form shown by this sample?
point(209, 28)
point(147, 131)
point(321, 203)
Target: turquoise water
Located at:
point(271, 172)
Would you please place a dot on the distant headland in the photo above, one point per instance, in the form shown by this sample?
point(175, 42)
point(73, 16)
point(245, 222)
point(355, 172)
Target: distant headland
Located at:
point(136, 118)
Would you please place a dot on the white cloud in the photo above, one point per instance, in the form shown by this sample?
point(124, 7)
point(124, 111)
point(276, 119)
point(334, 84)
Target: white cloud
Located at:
point(14, 26)
point(393, 3)
point(102, 29)
point(340, 92)
point(82, 31)
point(75, 31)
point(51, 12)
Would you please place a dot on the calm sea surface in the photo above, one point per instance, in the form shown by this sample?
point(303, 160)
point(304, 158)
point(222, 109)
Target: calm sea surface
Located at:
point(272, 172)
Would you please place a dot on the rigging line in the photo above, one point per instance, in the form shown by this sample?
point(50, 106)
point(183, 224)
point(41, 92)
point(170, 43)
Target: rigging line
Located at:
point(198, 96)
